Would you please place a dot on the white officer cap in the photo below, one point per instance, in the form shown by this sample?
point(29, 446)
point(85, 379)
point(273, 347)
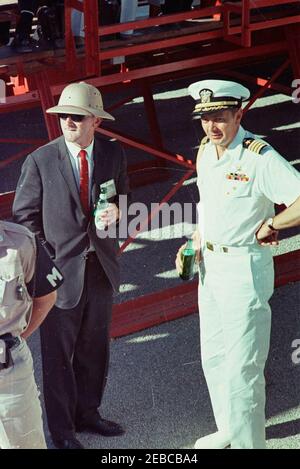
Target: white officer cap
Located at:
point(215, 95)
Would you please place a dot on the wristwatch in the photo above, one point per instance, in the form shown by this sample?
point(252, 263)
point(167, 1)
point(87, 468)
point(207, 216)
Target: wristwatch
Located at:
point(270, 222)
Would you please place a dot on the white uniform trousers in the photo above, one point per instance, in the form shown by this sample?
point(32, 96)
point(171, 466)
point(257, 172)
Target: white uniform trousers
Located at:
point(235, 323)
point(21, 425)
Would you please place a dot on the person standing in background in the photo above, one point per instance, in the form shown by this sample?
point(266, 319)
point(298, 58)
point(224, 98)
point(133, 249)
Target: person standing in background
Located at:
point(28, 280)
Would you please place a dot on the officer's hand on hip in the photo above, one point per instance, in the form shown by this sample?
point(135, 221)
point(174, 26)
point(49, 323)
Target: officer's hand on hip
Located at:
point(267, 237)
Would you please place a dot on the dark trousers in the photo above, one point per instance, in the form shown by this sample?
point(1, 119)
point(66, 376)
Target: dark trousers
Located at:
point(75, 354)
point(28, 9)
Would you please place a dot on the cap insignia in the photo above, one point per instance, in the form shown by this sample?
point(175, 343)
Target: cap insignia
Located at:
point(205, 95)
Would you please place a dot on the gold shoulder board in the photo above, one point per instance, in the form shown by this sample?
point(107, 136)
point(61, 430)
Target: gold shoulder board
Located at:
point(254, 145)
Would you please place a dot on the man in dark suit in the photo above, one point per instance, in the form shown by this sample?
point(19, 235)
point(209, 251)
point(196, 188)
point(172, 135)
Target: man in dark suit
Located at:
point(56, 193)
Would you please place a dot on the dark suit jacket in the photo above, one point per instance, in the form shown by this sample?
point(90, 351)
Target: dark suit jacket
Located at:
point(47, 202)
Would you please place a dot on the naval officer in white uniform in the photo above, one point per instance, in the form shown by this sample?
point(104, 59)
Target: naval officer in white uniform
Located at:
point(239, 178)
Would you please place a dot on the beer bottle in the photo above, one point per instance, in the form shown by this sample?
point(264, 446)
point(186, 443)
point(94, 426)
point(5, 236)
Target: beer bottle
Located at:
point(102, 205)
point(188, 260)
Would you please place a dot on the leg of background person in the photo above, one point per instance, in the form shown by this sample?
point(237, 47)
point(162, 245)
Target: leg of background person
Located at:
point(27, 11)
point(77, 23)
point(22, 41)
point(155, 7)
point(20, 408)
point(4, 33)
point(172, 7)
point(128, 13)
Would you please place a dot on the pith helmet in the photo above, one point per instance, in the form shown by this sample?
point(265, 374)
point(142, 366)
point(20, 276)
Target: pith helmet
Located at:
point(80, 98)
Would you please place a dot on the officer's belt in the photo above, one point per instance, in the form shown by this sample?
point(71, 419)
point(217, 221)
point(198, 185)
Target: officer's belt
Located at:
point(7, 342)
point(231, 249)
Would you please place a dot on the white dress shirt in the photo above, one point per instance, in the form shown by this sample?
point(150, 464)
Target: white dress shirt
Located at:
point(75, 161)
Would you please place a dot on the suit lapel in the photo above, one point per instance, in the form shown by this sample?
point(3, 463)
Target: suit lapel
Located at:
point(66, 169)
point(99, 169)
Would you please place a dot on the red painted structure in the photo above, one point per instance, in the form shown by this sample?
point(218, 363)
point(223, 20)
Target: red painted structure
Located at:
point(235, 34)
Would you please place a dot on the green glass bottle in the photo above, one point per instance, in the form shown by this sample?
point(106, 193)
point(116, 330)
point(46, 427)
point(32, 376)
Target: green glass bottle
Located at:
point(188, 260)
point(101, 206)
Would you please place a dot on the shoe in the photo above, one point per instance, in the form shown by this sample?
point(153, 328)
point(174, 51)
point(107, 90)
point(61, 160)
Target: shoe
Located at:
point(68, 443)
point(101, 426)
point(218, 440)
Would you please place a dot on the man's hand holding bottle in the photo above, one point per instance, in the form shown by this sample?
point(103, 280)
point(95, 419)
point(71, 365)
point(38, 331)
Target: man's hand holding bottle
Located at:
point(188, 254)
point(109, 215)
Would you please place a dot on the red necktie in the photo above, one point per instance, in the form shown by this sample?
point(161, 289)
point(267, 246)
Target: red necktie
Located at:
point(84, 181)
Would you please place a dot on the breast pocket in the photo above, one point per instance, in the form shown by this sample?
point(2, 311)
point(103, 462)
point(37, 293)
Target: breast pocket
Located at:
point(238, 189)
point(12, 284)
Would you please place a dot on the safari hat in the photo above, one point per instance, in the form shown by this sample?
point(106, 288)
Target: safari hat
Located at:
point(80, 98)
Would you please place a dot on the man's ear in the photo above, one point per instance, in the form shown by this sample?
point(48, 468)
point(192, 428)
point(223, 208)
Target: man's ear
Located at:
point(239, 115)
point(97, 122)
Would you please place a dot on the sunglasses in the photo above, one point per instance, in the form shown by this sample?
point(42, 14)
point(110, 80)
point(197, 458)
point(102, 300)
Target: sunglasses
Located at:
point(73, 117)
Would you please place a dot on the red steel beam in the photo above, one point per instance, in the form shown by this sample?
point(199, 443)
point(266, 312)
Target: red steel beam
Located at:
point(121, 103)
point(259, 81)
point(69, 38)
point(223, 57)
point(47, 101)
point(92, 62)
point(75, 4)
point(293, 37)
point(32, 98)
point(160, 44)
point(154, 212)
point(151, 113)
point(247, 27)
point(253, 4)
point(182, 300)
point(22, 141)
point(17, 156)
point(197, 13)
point(156, 308)
point(266, 85)
point(267, 24)
point(139, 144)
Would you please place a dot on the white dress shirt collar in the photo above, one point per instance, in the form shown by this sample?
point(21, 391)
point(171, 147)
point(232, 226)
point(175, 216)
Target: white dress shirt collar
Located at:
point(74, 149)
